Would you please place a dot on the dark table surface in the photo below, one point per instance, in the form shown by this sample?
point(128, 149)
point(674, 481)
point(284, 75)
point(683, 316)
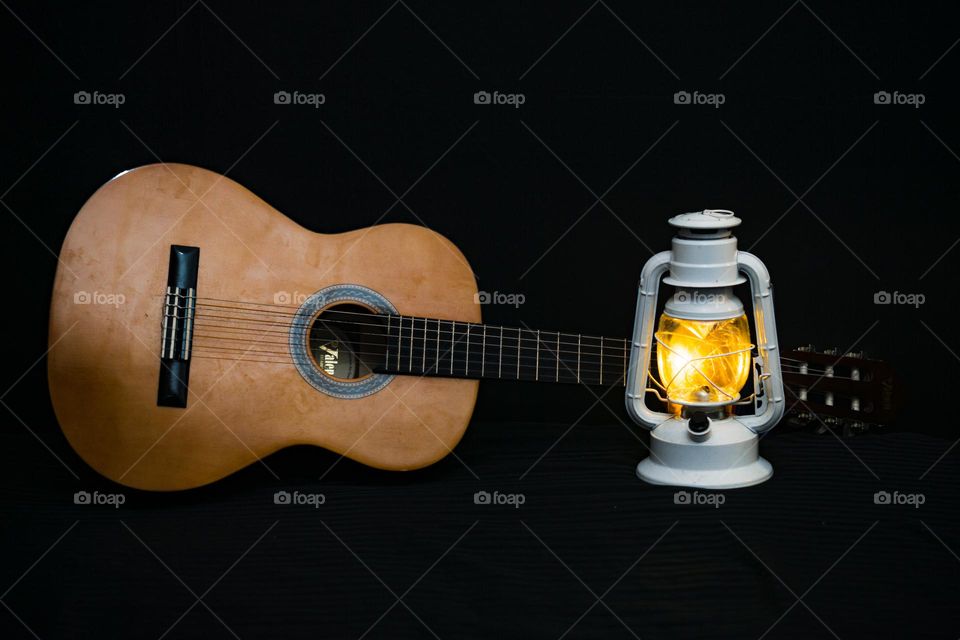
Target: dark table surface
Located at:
point(591, 551)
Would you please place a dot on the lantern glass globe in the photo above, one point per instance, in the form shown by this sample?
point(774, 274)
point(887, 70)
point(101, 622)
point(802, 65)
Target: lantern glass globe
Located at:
point(703, 362)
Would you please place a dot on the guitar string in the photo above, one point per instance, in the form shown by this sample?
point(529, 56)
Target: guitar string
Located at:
point(613, 355)
point(476, 359)
point(368, 315)
point(233, 304)
point(458, 362)
point(252, 355)
point(415, 320)
point(546, 341)
point(431, 334)
point(567, 380)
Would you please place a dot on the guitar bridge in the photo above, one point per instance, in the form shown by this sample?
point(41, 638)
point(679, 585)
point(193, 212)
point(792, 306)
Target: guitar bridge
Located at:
point(176, 328)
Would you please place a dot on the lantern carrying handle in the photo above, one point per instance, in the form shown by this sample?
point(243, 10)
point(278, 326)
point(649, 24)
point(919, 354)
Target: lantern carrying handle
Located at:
point(641, 343)
point(769, 383)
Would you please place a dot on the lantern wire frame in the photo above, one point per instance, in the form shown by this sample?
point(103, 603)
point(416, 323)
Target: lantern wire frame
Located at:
point(735, 400)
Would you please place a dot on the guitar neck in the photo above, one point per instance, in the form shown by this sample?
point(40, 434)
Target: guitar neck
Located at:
point(450, 348)
point(837, 389)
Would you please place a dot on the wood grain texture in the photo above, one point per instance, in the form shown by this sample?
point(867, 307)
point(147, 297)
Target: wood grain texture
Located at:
point(104, 359)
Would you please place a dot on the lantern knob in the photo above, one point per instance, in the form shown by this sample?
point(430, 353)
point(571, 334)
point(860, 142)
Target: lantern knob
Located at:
point(698, 426)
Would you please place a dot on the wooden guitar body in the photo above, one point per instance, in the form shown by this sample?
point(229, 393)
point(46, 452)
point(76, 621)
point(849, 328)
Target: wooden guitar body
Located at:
point(106, 315)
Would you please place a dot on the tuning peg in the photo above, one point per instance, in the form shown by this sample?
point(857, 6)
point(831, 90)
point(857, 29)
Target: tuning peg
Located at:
point(808, 348)
point(832, 351)
point(859, 355)
point(857, 426)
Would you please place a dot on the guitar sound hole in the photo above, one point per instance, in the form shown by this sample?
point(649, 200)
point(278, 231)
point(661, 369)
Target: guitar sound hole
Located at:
point(347, 341)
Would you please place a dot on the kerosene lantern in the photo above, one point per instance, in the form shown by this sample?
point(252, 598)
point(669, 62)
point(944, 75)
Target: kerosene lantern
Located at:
point(705, 433)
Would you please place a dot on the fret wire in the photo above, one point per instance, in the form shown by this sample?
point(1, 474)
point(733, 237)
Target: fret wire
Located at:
point(500, 363)
point(537, 370)
point(466, 366)
point(601, 359)
point(557, 379)
point(399, 342)
point(423, 363)
point(578, 358)
point(483, 352)
point(413, 323)
point(436, 368)
point(453, 344)
point(387, 355)
point(518, 352)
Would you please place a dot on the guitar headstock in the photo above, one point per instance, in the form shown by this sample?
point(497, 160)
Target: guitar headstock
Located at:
point(845, 391)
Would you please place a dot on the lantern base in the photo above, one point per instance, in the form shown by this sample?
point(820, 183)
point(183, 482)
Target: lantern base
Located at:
point(728, 459)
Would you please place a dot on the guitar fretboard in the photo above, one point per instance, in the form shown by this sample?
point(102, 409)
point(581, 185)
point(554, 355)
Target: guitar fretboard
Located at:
point(450, 348)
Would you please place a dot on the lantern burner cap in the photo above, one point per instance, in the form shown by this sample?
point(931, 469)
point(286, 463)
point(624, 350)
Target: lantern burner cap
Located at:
point(709, 223)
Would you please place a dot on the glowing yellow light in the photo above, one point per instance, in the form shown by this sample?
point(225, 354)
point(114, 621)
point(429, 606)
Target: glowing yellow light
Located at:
point(703, 361)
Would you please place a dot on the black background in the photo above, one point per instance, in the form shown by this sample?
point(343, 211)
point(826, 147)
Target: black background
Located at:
point(840, 197)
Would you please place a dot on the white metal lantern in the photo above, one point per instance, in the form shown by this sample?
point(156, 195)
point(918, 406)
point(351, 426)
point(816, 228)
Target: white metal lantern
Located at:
point(704, 357)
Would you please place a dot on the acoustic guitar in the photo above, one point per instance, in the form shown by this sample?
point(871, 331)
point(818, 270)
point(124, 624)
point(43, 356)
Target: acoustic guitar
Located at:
point(194, 330)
